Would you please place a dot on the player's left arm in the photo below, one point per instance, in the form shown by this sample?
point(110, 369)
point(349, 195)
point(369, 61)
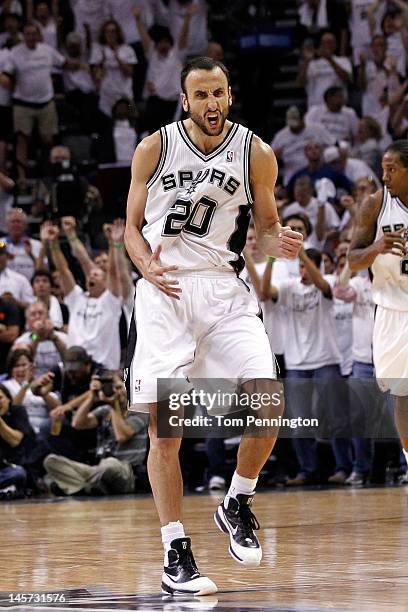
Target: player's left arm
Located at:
point(273, 239)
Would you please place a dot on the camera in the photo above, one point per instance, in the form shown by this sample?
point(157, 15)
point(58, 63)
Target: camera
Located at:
point(107, 386)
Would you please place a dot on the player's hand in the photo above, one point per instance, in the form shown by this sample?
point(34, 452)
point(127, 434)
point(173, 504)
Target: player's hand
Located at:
point(155, 274)
point(290, 243)
point(393, 243)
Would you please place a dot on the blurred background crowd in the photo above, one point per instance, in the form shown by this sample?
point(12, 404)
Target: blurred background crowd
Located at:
point(81, 83)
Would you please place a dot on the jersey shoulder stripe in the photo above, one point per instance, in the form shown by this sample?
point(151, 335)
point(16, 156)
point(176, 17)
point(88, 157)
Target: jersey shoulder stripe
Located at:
point(162, 158)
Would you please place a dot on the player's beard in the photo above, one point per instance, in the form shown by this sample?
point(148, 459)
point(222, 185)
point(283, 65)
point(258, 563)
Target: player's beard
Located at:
point(200, 122)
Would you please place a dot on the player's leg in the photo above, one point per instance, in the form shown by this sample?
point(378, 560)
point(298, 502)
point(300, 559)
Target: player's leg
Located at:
point(180, 573)
point(158, 343)
point(164, 471)
point(235, 347)
point(234, 516)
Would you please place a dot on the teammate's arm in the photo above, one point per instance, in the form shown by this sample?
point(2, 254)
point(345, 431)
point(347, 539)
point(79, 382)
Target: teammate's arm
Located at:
point(363, 249)
point(273, 239)
point(144, 163)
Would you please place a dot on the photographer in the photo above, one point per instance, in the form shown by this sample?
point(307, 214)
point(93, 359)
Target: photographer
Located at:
point(121, 446)
point(69, 193)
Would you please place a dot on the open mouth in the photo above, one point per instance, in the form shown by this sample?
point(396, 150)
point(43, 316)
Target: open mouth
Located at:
point(213, 119)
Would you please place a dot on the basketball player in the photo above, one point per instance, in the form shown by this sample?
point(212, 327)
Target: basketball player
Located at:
point(380, 241)
point(193, 186)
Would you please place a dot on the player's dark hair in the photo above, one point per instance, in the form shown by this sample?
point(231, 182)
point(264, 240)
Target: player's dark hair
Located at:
point(315, 256)
point(400, 147)
point(201, 62)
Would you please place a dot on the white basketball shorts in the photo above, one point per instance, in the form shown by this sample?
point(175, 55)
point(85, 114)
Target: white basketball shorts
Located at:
point(214, 331)
point(390, 350)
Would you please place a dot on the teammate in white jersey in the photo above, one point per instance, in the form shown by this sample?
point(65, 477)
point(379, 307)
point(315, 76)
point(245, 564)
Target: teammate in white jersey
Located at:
point(380, 241)
point(193, 186)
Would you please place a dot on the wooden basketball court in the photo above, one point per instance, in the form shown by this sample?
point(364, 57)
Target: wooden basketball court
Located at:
point(323, 550)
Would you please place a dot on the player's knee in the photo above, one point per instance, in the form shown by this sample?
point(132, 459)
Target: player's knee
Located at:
point(167, 446)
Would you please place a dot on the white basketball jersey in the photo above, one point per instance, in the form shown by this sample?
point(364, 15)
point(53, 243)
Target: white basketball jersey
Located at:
point(198, 205)
point(390, 283)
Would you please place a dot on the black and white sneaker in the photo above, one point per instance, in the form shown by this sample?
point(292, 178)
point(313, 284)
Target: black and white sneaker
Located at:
point(238, 521)
point(181, 575)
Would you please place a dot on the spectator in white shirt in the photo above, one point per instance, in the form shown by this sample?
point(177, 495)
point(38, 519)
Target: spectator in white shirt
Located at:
point(313, 16)
point(46, 20)
point(11, 6)
point(289, 143)
point(326, 70)
point(47, 344)
point(24, 388)
point(359, 27)
point(354, 169)
point(165, 61)
point(364, 393)
point(112, 63)
point(394, 27)
point(197, 38)
point(320, 212)
point(14, 287)
point(42, 285)
point(88, 14)
point(11, 36)
point(121, 11)
point(339, 120)
point(376, 74)
point(29, 66)
point(79, 85)
point(311, 353)
point(25, 250)
point(94, 314)
point(367, 144)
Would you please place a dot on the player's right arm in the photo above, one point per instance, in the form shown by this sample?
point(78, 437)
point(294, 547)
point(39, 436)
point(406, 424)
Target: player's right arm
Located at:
point(363, 249)
point(144, 163)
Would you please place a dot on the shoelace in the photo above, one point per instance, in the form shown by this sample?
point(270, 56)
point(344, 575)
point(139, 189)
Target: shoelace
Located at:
point(248, 518)
point(188, 563)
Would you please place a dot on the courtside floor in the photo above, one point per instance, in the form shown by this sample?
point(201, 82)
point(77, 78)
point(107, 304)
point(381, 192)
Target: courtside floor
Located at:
point(330, 549)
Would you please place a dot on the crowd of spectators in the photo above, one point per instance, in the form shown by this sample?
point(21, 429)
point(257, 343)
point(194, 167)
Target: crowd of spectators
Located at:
point(81, 82)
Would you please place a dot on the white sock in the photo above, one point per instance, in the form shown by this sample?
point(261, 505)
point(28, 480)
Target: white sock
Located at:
point(405, 455)
point(171, 532)
point(240, 486)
